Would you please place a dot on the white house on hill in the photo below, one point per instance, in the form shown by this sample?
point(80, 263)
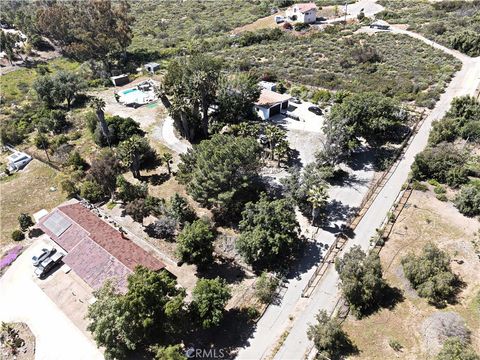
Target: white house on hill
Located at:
point(302, 13)
point(271, 103)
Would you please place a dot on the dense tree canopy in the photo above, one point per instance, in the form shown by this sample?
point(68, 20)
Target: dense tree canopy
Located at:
point(235, 97)
point(88, 29)
point(191, 85)
point(104, 170)
point(209, 298)
point(269, 233)
point(217, 172)
point(361, 278)
point(57, 88)
point(149, 311)
point(430, 274)
point(371, 116)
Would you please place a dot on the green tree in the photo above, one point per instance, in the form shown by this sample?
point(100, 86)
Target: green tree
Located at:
point(104, 170)
point(170, 352)
point(236, 96)
point(328, 337)
point(91, 191)
point(209, 298)
point(195, 243)
point(361, 279)
point(57, 88)
point(318, 197)
point(8, 43)
point(167, 159)
point(98, 105)
point(25, 221)
point(128, 192)
point(269, 233)
point(456, 349)
point(150, 310)
point(430, 274)
point(219, 170)
point(179, 209)
point(17, 235)
point(76, 161)
point(134, 152)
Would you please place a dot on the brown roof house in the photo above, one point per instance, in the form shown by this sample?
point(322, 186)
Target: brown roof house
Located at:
point(271, 103)
point(95, 251)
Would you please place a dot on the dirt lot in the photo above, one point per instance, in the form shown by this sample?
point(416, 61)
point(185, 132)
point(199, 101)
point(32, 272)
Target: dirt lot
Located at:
point(424, 219)
point(26, 191)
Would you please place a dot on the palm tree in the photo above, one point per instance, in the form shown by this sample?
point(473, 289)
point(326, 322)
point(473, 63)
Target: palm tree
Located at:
point(282, 150)
point(318, 197)
point(167, 157)
point(98, 105)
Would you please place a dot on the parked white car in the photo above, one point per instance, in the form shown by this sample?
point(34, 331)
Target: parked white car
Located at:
point(18, 160)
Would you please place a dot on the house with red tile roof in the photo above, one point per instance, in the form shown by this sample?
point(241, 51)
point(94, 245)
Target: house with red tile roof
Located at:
point(95, 250)
point(302, 13)
point(271, 103)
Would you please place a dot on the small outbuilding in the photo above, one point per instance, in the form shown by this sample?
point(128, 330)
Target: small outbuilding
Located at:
point(120, 80)
point(267, 85)
point(380, 25)
point(305, 13)
point(152, 67)
point(271, 103)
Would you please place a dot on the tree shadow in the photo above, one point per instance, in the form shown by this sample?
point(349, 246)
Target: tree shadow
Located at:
point(155, 179)
point(226, 269)
point(233, 333)
point(391, 296)
point(337, 211)
point(361, 159)
point(310, 255)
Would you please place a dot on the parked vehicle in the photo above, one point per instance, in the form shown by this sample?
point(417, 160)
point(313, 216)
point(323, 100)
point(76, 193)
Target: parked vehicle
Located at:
point(296, 100)
point(48, 264)
point(315, 109)
point(279, 19)
point(37, 260)
point(18, 160)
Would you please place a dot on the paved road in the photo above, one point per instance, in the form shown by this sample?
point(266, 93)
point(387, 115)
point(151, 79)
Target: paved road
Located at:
point(325, 296)
point(166, 134)
point(57, 338)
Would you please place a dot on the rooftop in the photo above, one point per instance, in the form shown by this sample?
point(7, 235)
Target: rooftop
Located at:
point(304, 7)
point(96, 250)
point(268, 97)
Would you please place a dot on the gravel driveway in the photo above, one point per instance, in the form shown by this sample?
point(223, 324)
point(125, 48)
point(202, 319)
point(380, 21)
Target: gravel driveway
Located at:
point(22, 300)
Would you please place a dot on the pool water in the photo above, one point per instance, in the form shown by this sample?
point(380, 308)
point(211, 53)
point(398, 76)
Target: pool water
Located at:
point(128, 91)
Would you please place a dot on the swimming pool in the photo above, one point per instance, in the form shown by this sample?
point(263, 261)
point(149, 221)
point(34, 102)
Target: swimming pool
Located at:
point(128, 91)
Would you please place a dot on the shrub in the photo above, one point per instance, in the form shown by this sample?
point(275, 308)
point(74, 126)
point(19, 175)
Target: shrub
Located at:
point(17, 235)
point(266, 287)
point(456, 349)
point(395, 345)
point(468, 200)
point(76, 161)
point(430, 274)
point(443, 162)
point(163, 228)
point(128, 192)
point(41, 141)
point(25, 221)
point(180, 210)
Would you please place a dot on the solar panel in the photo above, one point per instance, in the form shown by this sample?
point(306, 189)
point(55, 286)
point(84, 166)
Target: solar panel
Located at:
point(57, 223)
